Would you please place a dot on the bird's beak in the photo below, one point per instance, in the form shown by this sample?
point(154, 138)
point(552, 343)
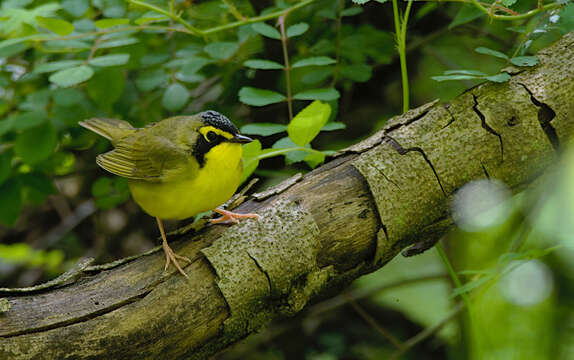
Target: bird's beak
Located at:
point(241, 139)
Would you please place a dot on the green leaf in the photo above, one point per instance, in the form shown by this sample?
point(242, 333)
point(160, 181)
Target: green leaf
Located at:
point(59, 26)
point(36, 144)
point(297, 29)
point(107, 23)
point(293, 156)
point(251, 152)
point(28, 120)
point(524, 60)
point(110, 60)
point(361, 2)
point(11, 50)
point(316, 76)
point(326, 94)
point(455, 77)
point(499, 78)
point(76, 8)
point(72, 76)
point(467, 13)
point(118, 42)
point(6, 125)
point(67, 96)
point(469, 286)
point(332, 126)
point(356, 72)
point(5, 166)
point(308, 123)
point(508, 3)
point(175, 97)
point(107, 86)
point(313, 159)
point(110, 192)
point(352, 11)
point(36, 187)
point(263, 129)
point(314, 61)
point(259, 97)
point(11, 200)
point(266, 30)
point(262, 64)
point(487, 51)
point(221, 50)
point(465, 72)
point(55, 66)
point(149, 80)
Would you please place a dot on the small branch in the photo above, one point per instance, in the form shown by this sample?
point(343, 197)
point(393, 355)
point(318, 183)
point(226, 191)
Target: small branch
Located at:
point(286, 63)
point(193, 30)
point(234, 11)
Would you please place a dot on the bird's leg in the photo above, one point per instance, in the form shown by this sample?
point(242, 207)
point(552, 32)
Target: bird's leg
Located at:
point(231, 217)
point(170, 255)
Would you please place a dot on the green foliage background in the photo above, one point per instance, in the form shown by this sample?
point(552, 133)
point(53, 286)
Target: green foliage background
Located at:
point(306, 78)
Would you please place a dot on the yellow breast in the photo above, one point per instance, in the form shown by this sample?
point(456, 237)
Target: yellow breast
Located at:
point(191, 193)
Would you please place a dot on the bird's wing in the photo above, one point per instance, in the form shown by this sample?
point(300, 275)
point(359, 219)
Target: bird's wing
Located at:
point(150, 158)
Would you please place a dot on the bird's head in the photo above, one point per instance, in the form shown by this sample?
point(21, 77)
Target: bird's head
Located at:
point(214, 130)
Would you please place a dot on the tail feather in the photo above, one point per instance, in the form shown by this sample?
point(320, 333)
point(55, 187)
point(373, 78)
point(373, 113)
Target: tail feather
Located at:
point(111, 129)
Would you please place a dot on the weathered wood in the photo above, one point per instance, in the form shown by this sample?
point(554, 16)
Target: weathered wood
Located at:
point(344, 219)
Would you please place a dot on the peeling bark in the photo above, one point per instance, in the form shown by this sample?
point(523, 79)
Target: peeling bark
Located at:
point(344, 219)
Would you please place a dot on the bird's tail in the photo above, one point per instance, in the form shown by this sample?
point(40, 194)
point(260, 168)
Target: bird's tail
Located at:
point(111, 129)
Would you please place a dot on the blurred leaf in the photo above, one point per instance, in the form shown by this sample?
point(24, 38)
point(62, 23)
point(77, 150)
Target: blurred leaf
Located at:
point(356, 72)
point(67, 45)
point(5, 166)
point(352, 11)
point(361, 2)
point(72, 76)
point(36, 187)
point(313, 159)
point(508, 2)
point(10, 198)
point(55, 66)
point(110, 192)
point(297, 29)
point(67, 96)
point(175, 97)
point(11, 50)
point(499, 78)
point(262, 64)
point(76, 8)
point(316, 76)
point(465, 72)
point(59, 26)
point(266, 30)
point(259, 97)
point(28, 120)
point(307, 124)
point(36, 144)
point(524, 60)
point(107, 86)
point(263, 129)
point(110, 60)
point(292, 156)
point(333, 126)
point(466, 13)
point(221, 50)
point(107, 23)
point(6, 125)
point(487, 51)
point(326, 94)
point(149, 80)
point(469, 286)
point(314, 61)
point(118, 42)
point(250, 161)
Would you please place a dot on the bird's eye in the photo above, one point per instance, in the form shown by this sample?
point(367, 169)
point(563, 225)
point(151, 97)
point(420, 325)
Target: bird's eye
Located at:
point(211, 136)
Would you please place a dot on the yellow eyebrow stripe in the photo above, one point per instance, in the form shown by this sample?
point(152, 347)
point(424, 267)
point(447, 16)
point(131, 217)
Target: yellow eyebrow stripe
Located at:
point(204, 130)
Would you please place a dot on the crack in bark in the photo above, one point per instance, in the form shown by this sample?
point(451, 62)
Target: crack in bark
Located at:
point(485, 171)
point(545, 116)
point(77, 320)
point(387, 178)
point(486, 127)
point(263, 271)
point(447, 108)
point(406, 123)
point(402, 151)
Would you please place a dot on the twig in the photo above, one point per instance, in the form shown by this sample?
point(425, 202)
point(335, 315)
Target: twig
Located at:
point(234, 10)
point(369, 319)
point(412, 342)
point(286, 64)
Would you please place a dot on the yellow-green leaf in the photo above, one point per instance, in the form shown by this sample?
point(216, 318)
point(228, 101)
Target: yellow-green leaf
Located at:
point(308, 122)
point(59, 26)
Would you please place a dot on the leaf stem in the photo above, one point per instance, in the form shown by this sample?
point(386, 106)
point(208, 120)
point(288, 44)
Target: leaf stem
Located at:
point(286, 67)
point(453, 275)
point(284, 151)
point(192, 29)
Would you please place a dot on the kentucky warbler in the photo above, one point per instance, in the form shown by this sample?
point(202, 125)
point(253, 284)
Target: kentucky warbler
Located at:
point(177, 167)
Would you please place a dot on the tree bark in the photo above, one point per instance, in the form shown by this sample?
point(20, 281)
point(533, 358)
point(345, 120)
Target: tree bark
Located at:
point(344, 219)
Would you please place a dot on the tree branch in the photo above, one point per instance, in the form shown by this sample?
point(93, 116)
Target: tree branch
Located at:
point(344, 219)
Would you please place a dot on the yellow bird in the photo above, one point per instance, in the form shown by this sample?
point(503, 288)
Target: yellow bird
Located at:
point(176, 168)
